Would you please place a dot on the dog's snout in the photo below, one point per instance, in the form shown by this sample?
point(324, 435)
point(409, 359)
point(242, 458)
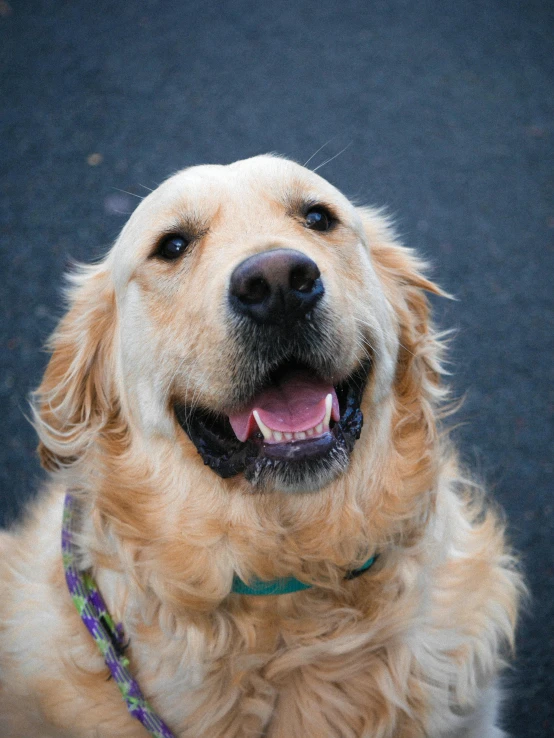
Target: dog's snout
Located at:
point(276, 286)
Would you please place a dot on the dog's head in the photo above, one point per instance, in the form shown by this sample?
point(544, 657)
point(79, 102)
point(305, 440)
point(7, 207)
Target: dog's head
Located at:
point(250, 310)
point(208, 384)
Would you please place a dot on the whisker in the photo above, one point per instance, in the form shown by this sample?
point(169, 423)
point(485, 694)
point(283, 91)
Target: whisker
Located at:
point(186, 406)
point(191, 406)
point(128, 193)
point(187, 417)
point(362, 347)
point(177, 370)
point(333, 157)
point(368, 343)
point(317, 152)
point(196, 394)
point(364, 338)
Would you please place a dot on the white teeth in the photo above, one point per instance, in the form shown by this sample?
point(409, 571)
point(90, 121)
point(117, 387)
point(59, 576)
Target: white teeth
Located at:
point(262, 426)
point(277, 436)
point(328, 408)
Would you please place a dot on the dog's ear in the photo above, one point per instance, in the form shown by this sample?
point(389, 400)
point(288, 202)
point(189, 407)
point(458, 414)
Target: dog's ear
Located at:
point(76, 398)
point(418, 391)
point(402, 275)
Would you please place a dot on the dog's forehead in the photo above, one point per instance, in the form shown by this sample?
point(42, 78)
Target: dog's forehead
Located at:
point(200, 194)
point(207, 188)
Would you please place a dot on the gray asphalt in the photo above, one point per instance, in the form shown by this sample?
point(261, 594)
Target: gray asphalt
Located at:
point(446, 110)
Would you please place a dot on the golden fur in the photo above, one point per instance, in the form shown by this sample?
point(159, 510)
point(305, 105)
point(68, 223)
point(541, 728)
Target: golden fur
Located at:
point(411, 649)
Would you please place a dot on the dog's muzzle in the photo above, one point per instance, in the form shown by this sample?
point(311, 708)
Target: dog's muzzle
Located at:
point(290, 427)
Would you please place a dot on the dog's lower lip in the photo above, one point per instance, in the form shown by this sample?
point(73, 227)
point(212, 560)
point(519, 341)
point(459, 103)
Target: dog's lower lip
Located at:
point(294, 450)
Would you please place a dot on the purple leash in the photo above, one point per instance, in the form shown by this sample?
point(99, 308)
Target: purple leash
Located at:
point(109, 637)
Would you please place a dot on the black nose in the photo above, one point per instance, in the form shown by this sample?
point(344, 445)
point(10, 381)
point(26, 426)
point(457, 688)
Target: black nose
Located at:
point(275, 286)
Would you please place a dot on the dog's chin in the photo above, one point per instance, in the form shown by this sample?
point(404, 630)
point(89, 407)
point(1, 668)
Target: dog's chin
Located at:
point(288, 462)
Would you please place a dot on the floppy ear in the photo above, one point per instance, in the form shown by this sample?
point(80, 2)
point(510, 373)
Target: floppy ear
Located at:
point(402, 275)
point(76, 398)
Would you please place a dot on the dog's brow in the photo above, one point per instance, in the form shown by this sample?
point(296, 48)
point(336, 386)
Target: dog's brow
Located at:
point(298, 203)
point(296, 199)
point(296, 196)
point(192, 225)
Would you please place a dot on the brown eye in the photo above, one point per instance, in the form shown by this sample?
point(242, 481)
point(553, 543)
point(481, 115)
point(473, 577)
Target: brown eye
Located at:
point(318, 218)
point(172, 247)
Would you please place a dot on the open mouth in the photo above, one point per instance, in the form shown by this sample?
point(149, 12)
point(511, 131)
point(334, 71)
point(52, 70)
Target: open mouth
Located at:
point(296, 433)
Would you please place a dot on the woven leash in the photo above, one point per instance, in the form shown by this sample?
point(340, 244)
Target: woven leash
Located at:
point(109, 637)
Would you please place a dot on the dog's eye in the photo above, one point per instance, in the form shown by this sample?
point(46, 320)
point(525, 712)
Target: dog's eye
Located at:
point(318, 218)
point(172, 247)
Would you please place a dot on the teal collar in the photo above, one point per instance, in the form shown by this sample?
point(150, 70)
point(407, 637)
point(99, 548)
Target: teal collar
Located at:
point(286, 585)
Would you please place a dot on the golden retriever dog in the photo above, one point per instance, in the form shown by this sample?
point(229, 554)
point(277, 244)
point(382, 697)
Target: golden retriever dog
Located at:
point(204, 405)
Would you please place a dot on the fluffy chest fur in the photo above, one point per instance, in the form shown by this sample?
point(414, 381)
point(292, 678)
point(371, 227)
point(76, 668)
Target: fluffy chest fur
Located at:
point(385, 655)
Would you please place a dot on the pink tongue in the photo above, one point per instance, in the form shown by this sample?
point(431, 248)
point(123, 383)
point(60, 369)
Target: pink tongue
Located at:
point(296, 404)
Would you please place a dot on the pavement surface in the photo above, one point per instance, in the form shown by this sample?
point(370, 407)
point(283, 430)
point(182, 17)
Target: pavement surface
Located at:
point(446, 110)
